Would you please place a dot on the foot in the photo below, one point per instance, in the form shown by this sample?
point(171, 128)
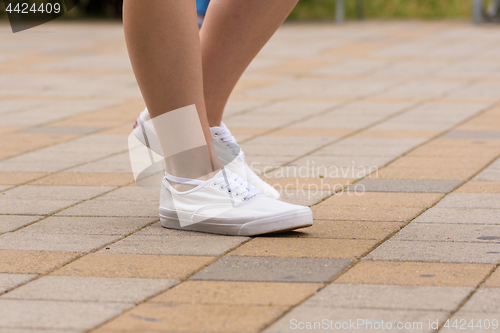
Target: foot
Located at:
point(228, 205)
point(227, 149)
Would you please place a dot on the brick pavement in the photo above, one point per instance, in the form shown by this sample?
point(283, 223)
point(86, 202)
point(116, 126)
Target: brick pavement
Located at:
point(390, 131)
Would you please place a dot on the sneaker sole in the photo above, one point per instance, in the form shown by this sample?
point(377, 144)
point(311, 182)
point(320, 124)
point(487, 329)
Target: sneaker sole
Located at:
point(282, 223)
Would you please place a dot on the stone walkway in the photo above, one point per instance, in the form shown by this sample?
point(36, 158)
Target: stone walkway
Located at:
point(401, 120)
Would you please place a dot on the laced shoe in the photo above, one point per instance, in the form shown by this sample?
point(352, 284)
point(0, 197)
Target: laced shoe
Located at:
point(227, 204)
point(227, 149)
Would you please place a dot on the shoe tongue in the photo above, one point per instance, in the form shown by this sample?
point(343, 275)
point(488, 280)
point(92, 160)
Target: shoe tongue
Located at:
point(214, 129)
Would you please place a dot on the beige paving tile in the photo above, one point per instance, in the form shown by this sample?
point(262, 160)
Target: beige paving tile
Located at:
point(85, 179)
point(305, 132)
point(371, 133)
point(135, 266)
point(304, 248)
point(443, 163)
point(32, 262)
point(378, 213)
point(234, 292)
point(16, 178)
point(369, 199)
point(493, 280)
point(416, 273)
point(346, 230)
point(155, 317)
point(479, 187)
point(425, 174)
point(458, 148)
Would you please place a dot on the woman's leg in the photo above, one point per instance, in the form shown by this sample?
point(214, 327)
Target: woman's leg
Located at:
point(233, 32)
point(164, 48)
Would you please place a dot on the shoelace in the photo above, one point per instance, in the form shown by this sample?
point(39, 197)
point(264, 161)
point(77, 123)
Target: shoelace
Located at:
point(226, 136)
point(237, 185)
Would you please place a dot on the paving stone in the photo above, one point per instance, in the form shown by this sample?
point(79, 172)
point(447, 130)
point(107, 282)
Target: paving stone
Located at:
point(134, 266)
point(344, 230)
point(493, 280)
point(90, 289)
point(355, 296)
point(462, 320)
point(408, 185)
point(101, 207)
point(8, 281)
point(85, 179)
point(437, 252)
point(425, 173)
point(12, 222)
point(437, 232)
point(85, 226)
point(3, 188)
point(59, 315)
point(479, 187)
point(470, 200)
point(415, 273)
point(35, 330)
point(460, 215)
point(304, 198)
point(175, 244)
point(64, 130)
point(29, 241)
point(56, 192)
point(235, 292)
point(33, 207)
point(376, 213)
point(155, 317)
point(472, 135)
point(32, 262)
point(484, 300)
point(304, 248)
point(16, 178)
point(272, 269)
point(489, 175)
point(370, 320)
point(307, 184)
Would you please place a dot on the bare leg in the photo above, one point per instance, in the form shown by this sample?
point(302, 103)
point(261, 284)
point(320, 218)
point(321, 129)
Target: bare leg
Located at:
point(164, 47)
point(233, 32)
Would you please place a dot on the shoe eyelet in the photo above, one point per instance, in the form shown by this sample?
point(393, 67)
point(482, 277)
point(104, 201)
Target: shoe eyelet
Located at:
point(236, 195)
point(216, 134)
point(228, 191)
point(221, 188)
point(221, 140)
point(213, 184)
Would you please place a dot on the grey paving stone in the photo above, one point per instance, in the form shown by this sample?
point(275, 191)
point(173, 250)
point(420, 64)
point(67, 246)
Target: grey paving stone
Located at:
point(302, 197)
point(408, 185)
point(437, 232)
point(29, 241)
point(492, 175)
point(12, 222)
point(175, 244)
point(437, 252)
point(353, 296)
point(484, 300)
point(470, 200)
point(462, 320)
point(472, 135)
point(64, 130)
point(90, 289)
point(355, 320)
point(35, 330)
point(57, 314)
point(109, 226)
point(33, 207)
point(272, 269)
point(115, 164)
point(8, 281)
point(460, 215)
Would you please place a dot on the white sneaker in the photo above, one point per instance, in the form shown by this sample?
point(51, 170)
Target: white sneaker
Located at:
point(227, 149)
point(228, 205)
